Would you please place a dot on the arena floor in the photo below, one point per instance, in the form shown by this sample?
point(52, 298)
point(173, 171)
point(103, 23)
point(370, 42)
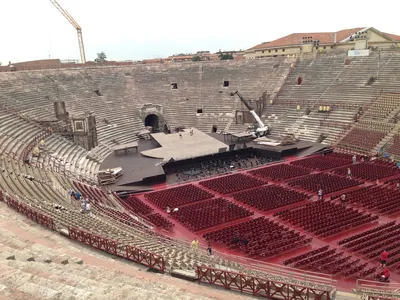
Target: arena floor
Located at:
point(345, 284)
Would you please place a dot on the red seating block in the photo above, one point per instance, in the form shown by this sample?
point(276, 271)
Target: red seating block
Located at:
point(209, 213)
point(381, 199)
point(324, 218)
point(324, 162)
point(327, 182)
point(231, 183)
point(362, 139)
point(159, 221)
point(136, 205)
point(263, 236)
point(280, 172)
point(371, 171)
point(177, 196)
point(269, 197)
point(371, 242)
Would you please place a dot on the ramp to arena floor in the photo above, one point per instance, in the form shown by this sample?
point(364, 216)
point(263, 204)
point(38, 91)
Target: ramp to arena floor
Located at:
point(184, 145)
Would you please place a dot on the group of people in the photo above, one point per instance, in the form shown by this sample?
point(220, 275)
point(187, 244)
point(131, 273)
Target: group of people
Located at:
point(195, 246)
point(85, 203)
point(384, 273)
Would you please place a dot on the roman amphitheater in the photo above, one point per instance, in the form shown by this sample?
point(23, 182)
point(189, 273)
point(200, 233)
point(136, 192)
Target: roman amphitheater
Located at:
point(165, 153)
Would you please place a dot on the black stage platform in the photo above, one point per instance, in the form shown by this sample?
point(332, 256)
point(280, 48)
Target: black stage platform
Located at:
point(299, 148)
point(140, 171)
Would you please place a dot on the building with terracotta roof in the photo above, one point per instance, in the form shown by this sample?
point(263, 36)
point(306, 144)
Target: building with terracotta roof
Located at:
point(348, 39)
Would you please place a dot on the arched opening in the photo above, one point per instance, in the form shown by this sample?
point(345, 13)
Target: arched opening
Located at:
point(299, 80)
point(152, 121)
point(214, 128)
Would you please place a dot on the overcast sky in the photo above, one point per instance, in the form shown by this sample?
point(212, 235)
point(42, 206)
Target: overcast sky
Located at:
point(134, 30)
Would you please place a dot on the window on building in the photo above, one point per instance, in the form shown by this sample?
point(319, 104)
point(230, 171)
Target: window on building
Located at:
point(283, 50)
point(276, 50)
point(262, 51)
point(199, 110)
point(269, 51)
point(324, 47)
point(226, 83)
point(174, 86)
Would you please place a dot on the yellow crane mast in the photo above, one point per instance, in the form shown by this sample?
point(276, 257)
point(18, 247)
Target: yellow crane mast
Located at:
point(76, 26)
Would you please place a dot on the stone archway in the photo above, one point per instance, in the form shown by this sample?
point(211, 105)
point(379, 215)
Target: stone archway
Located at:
point(153, 121)
point(152, 115)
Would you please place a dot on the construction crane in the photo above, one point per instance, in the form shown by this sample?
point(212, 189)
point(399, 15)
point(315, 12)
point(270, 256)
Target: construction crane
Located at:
point(261, 129)
point(76, 26)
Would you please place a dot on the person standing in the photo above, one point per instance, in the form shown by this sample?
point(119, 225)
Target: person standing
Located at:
point(384, 257)
point(385, 275)
point(168, 211)
point(320, 194)
point(343, 200)
point(195, 244)
point(88, 207)
point(209, 249)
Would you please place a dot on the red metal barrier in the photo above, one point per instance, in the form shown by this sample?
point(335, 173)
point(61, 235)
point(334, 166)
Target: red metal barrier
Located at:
point(131, 253)
point(146, 258)
point(259, 286)
point(98, 242)
point(29, 212)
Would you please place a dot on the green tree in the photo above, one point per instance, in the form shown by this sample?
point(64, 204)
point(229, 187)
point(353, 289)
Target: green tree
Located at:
point(196, 58)
point(224, 56)
point(101, 57)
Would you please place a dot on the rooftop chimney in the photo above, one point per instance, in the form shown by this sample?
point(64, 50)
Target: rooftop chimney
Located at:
point(334, 38)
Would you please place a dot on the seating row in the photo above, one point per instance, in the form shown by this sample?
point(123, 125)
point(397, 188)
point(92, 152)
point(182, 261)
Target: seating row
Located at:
point(366, 233)
point(231, 183)
point(372, 242)
point(118, 215)
point(324, 218)
point(280, 172)
point(328, 261)
point(378, 198)
point(394, 148)
point(393, 182)
point(159, 221)
point(97, 195)
point(269, 197)
point(327, 182)
point(382, 107)
point(369, 171)
point(176, 196)
point(134, 204)
point(259, 237)
point(209, 213)
point(324, 162)
point(362, 139)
